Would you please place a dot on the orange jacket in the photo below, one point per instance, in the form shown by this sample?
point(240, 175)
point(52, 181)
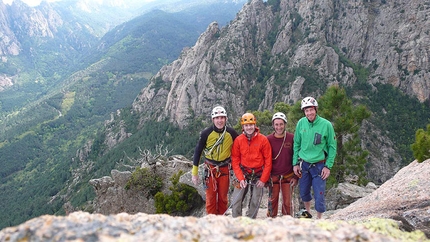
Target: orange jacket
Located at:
point(254, 153)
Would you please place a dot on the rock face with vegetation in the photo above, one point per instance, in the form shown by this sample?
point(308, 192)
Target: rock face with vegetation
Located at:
point(386, 39)
point(393, 212)
point(121, 193)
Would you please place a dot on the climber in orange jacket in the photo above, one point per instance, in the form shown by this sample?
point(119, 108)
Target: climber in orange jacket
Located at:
point(252, 162)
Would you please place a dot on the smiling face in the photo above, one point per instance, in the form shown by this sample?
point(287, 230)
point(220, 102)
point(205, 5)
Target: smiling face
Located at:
point(249, 129)
point(279, 127)
point(310, 113)
point(219, 121)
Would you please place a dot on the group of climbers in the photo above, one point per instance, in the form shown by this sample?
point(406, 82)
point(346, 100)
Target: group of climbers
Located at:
point(279, 161)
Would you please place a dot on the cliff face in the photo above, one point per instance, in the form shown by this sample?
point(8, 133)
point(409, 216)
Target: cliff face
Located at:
point(33, 36)
point(21, 24)
point(389, 39)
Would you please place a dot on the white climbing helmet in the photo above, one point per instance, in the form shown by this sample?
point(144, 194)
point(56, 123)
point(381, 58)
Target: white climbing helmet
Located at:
point(279, 115)
point(218, 111)
point(308, 102)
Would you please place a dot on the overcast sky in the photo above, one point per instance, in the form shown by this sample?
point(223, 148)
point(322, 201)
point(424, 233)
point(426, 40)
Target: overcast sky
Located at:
point(37, 2)
point(29, 2)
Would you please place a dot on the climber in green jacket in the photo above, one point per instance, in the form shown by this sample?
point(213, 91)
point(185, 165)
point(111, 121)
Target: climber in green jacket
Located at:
point(314, 153)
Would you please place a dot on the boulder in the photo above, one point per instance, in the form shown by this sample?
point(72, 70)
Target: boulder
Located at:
point(345, 194)
point(404, 198)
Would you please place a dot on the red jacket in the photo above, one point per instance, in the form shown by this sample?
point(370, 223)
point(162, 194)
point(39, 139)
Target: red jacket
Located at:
point(254, 153)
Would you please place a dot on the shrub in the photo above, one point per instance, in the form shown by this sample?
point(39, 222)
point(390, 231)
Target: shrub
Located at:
point(181, 201)
point(145, 180)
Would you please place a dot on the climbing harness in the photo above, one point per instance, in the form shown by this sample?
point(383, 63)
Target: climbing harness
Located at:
point(205, 178)
point(312, 167)
point(213, 172)
point(210, 165)
point(252, 174)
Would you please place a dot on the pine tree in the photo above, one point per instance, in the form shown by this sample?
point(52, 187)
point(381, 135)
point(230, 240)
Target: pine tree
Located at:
point(421, 147)
point(347, 118)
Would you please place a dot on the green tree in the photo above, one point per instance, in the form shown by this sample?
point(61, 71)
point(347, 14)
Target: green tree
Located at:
point(421, 147)
point(347, 118)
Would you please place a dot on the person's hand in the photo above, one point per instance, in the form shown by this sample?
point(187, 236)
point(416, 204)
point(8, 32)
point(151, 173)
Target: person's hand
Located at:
point(325, 173)
point(293, 182)
point(297, 171)
point(243, 184)
point(260, 184)
point(195, 179)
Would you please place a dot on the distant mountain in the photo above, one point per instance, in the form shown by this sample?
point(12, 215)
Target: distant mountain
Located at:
point(65, 84)
point(41, 46)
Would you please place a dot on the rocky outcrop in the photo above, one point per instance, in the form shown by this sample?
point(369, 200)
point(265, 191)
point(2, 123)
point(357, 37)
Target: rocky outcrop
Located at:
point(405, 198)
point(345, 194)
point(5, 82)
point(112, 196)
point(115, 132)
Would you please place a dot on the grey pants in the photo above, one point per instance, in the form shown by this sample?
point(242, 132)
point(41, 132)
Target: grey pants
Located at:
point(238, 198)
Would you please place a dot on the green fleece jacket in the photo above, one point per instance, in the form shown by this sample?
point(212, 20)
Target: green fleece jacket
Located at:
point(315, 141)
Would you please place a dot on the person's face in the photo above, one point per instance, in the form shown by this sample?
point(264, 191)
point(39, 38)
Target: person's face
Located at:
point(310, 113)
point(249, 128)
point(219, 121)
point(279, 126)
